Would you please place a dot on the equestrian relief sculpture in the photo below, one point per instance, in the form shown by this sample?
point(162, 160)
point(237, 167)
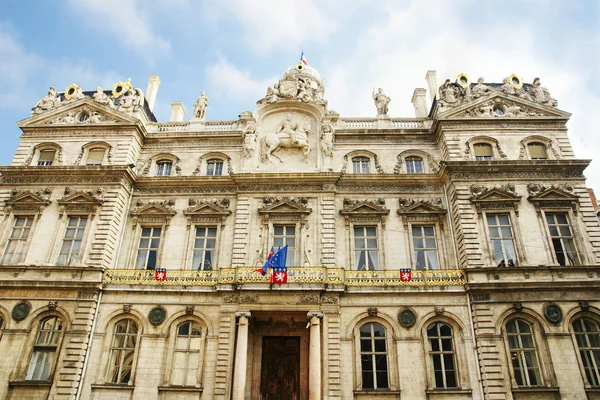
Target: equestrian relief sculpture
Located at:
point(288, 135)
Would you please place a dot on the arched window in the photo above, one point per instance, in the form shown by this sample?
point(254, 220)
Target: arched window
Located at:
point(414, 165)
point(537, 151)
point(163, 168)
point(587, 335)
point(214, 167)
point(373, 357)
point(443, 355)
point(186, 359)
point(483, 152)
point(122, 352)
point(45, 349)
point(523, 353)
point(360, 165)
point(46, 157)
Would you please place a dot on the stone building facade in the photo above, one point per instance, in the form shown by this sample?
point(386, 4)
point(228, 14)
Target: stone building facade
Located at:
point(453, 255)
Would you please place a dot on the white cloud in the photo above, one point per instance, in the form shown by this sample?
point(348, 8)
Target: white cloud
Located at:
point(231, 82)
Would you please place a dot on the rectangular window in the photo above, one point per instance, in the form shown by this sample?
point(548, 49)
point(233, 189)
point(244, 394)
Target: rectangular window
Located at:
point(71, 246)
point(523, 353)
point(483, 152)
point(286, 235)
point(163, 168)
point(147, 254)
point(366, 253)
point(442, 355)
point(15, 248)
point(502, 240)
point(45, 350)
point(214, 168)
point(95, 157)
point(187, 354)
point(204, 248)
point(425, 247)
point(414, 165)
point(360, 165)
point(562, 238)
point(373, 357)
point(537, 151)
point(46, 158)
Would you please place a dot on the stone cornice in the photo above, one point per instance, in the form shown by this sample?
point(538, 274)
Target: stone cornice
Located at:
point(389, 179)
point(511, 169)
point(107, 174)
point(467, 125)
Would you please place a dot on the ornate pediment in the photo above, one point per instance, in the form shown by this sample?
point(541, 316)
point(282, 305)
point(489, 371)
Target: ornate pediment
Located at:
point(154, 211)
point(497, 197)
point(555, 196)
point(365, 210)
point(83, 201)
point(421, 210)
point(283, 207)
point(27, 201)
point(205, 210)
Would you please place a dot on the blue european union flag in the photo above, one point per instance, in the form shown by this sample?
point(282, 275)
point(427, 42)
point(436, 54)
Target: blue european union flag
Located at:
point(278, 259)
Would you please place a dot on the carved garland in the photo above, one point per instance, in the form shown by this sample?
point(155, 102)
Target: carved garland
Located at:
point(497, 197)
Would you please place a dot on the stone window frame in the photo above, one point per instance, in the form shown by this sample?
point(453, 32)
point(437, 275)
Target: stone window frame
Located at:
point(171, 342)
point(374, 166)
point(33, 158)
point(518, 243)
point(85, 151)
point(590, 314)
point(429, 163)
point(150, 168)
point(497, 153)
point(202, 167)
point(440, 248)
point(460, 358)
point(577, 239)
point(551, 152)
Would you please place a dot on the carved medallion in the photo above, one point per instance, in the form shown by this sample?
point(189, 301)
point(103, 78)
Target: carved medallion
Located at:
point(157, 315)
point(407, 317)
point(21, 311)
point(553, 313)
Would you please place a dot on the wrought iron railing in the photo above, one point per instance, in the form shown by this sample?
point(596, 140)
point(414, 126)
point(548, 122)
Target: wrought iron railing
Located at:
point(323, 275)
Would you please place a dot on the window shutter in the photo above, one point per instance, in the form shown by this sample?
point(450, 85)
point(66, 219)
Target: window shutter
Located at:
point(47, 155)
point(537, 151)
point(95, 157)
point(483, 150)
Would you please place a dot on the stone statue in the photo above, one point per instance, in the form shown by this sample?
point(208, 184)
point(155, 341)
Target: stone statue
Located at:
point(293, 131)
point(327, 140)
point(507, 88)
point(102, 98)
point(200, 106)
point(480, 89)
point(130, 101)
point(304, 91)
point(287, 135)
point(48, 102)
point(449, 94)
point(540, 94)
point(249, 141)
point(381, 102)
point(78, 94)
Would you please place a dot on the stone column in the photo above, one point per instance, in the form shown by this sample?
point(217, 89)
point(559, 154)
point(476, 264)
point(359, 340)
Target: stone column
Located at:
point(241, 356)
point(314, 356)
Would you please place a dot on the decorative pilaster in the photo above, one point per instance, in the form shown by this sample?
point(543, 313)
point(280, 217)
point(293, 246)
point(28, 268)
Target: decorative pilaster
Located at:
point(241, 356)
point(314, 356)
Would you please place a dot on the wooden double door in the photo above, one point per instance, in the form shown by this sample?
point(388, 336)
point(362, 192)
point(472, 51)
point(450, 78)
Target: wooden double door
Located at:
point(280, 368)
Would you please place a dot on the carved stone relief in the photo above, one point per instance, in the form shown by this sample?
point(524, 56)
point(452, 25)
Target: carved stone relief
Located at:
point(289, 134)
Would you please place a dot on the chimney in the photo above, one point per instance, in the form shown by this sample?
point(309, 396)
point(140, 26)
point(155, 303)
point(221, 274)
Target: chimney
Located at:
point(152, 90)
point(420, 103)
point(432, 83)
point(177, 111)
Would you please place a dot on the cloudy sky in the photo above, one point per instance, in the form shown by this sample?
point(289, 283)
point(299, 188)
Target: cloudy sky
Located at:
point(234, 49)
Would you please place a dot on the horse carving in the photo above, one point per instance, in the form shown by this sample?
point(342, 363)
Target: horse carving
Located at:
point(288, 135)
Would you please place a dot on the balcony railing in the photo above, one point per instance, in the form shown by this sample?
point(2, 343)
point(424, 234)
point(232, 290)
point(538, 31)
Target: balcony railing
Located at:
point(319, 275)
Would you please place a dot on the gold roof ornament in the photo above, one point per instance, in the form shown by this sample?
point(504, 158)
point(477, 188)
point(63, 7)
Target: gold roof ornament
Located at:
point(515, 81)
point(71, 90)
point(462, 80)
point(120, 88)
point(300, 66)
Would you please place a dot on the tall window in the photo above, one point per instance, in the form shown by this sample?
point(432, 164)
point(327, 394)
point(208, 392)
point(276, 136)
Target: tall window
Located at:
point(425, 247)
point(442, 354)
point(187, 354)
point(414, 165)
point(483, 152)
point(587, 335)
point(523, 353)
point(71, 246)
point(214, 168)
point(45, 349)
point(46, 158)
point(95, 156)
point(147, 254)
point(360, 165)
point(502, 240)
point(286, 234)
point(163, 168)
point(537, 151)
point(204, 248)
point(15, 248)
point(373, 357)
point(122, 352)
point(562, 238)
point(366, 253)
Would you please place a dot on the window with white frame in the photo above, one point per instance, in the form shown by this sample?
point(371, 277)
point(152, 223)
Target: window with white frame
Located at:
point(373, 357)
point(366, 250)
point(483, 152)
point(95, 156)
point(414, 165)
point(563, 240)
point(443, 355)
point(286, 235)
point(537, 151)
point(204, 248)
point(70, 250)
point(122, 352)
point(45, 349)
point(15, 248)
point(360, 165)
point(163, 168)
point(587, 336)
point(523, 353)
point(46, 157)
point(186, 359)
point(425, 247)
point(214, 167)
point(502, 240)
point(147, 254)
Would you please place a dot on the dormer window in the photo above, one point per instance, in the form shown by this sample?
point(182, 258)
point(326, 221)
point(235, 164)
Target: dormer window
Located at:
point(46, 158)
point(483, 152)
point(360, 165)
point(214, 167)
point(537, 151)
point(163, 168)
point(95, 156)
point(414, 165)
